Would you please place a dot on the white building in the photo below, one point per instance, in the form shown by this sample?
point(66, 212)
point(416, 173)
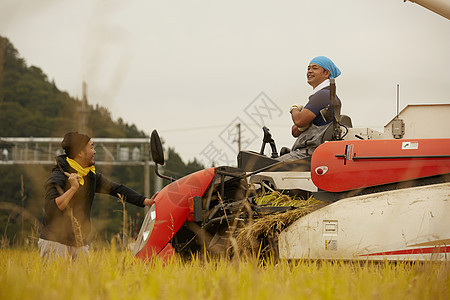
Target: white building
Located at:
point(422, 121)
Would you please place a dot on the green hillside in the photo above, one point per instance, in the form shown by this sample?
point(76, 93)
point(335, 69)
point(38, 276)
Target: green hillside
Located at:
point(33, 106)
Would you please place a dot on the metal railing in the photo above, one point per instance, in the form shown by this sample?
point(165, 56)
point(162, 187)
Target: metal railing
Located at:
point(110, 151)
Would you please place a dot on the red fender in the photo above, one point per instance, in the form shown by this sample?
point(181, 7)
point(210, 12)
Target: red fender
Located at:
point(172, 210)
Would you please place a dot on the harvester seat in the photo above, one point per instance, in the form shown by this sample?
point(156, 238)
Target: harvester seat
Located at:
point(346, 121)
point(328, 134)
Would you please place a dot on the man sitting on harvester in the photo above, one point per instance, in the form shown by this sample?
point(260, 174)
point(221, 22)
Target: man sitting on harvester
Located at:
point(309, 122)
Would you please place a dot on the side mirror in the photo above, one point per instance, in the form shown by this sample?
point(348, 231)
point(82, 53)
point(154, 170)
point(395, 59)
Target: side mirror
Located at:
point(156, 148)
point(157, 154)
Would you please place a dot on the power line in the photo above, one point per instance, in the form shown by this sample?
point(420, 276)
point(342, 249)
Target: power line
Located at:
point(191, 128)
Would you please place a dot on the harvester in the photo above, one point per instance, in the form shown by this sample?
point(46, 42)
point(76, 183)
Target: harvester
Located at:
point(384, 195)
point(387, 199)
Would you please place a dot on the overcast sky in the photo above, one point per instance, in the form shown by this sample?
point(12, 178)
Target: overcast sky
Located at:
point(193, 69)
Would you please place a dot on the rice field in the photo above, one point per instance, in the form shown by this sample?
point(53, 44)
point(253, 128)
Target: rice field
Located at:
point(111, 274)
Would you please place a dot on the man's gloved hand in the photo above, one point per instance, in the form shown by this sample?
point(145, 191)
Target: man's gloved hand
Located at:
point(301, 129)
point(295, 106)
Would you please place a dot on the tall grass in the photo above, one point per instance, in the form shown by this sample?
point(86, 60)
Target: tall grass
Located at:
point(112, 274)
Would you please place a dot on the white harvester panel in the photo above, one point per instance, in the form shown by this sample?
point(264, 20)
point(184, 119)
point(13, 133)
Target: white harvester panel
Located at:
point(287, 180)
point(404, 224)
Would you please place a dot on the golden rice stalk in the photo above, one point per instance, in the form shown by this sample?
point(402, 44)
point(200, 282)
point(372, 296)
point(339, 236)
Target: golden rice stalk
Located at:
point(76, 230)
point(278, 199)
point(76, 227)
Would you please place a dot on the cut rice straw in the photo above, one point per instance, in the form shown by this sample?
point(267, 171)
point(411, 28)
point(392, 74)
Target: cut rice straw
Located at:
point(250, 237)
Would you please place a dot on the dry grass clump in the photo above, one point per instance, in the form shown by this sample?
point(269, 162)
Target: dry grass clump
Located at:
point(261, 235)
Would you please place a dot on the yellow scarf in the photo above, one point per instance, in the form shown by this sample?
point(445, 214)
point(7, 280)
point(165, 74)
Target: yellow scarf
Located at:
point(80, 170)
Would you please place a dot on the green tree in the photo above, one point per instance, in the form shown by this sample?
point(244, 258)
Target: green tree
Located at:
point(31, 105)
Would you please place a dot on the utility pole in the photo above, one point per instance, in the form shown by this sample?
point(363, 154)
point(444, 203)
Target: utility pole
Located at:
point(238, 125)
point(2, 57)
point(146, 170)
point(83, 112)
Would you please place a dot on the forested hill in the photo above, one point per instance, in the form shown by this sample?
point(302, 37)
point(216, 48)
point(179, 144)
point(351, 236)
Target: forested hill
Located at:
point(32, 106)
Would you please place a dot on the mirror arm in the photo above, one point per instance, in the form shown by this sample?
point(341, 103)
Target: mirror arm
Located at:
point(162, 176)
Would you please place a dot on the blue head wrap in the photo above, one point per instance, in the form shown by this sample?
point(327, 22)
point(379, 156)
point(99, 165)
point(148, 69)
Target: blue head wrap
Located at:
point(327, 64)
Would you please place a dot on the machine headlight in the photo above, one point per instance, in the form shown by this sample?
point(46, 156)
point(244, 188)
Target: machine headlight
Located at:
point(146, 229)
